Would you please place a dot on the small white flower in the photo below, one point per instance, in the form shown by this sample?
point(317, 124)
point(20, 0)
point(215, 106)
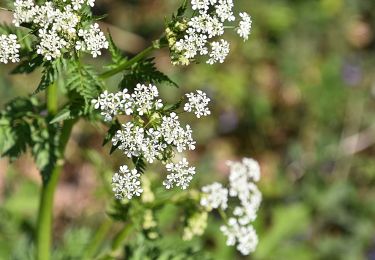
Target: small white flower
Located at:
point(58, 27)
point(245, 236)
point(197, 103)
point(208, 22)
point(180, 174)
point(126, 183)
point(24, 12)
point(129, 139)
point(152, 135)
point(215, 196)
point(200, 4)
point(91, 3)
point(51, 44)
point(219, 51)
point(94, 40)
point(244, 27)
point(238, 229)
point(9, 49)
point(144, 98)
point(173, 133)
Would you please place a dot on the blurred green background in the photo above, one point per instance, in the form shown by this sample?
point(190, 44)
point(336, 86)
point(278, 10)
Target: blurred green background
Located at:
point(299, 96)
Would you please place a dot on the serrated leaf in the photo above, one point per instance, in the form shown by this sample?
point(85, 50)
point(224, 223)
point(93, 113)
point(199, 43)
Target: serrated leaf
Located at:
point(115, 126)
point(63, 115)
point(82, 86)
point(20, 135)
point(44, 146)
point(116, 54)
point(139, 163)
point(144, 72)
point(29, 65)
point(182, 9)
point(49, 76)
point(113, 148)
point(173, 107)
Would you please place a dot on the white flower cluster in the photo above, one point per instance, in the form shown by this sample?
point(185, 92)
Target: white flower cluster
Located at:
point(215, 196)
point(180, 174)
point(9, 48)
point(126, 183)
point(209, 22)
point(244, 27)
point(58, 29)
point(93, 40)
point(238, 230)
point(244, 235)
point(153, 133)
point(198, 104)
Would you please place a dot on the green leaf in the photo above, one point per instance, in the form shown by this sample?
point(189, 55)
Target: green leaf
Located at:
point(24, 125)
point(115, 126)
point(49, 75)
point(29, 65)
point(139, 163)
point(63, 115)
point(82, 86)
point(44, 146)
point(173, 107)
point(15, 131)
point(20, 134)
point(182, 9)
point(144, 72)
point(116, 54)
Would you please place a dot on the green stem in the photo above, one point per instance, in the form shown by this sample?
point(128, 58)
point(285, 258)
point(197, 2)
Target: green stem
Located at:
point(98, 239)
point(44, 221)
point(120, 237)
point(128, 63)
point(118, 241)
point(158, 44)
point(5, 9)
point(52, 99)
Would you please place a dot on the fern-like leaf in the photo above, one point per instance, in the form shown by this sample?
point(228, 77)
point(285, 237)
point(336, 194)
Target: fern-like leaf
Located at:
point(144, 72)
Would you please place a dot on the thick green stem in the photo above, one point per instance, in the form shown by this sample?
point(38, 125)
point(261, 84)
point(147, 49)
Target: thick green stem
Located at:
point(52, 99)
point(44, 221)
point(45, 216)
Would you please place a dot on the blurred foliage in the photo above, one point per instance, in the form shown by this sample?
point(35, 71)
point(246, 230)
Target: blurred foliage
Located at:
point(298, 96)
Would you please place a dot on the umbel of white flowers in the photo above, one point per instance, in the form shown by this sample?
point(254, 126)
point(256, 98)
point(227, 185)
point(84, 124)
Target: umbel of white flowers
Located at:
point(59, 29)
point(9, 48)
point(238, 230)
point(153, 133)
point(198, 35)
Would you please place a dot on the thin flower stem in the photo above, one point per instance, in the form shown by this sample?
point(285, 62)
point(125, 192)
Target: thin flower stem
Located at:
point(120, 237)
point(118, 241)
point(129, 63)
point(45, 213)
point(223, 215)
point(155, 45)
point(5, 9)
point(98, 239)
